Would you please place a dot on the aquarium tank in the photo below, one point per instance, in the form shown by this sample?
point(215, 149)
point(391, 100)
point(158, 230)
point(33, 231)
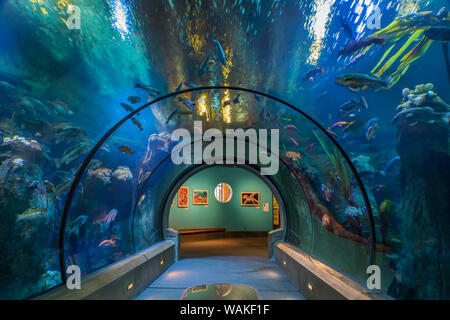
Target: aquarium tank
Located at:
point(90, 92)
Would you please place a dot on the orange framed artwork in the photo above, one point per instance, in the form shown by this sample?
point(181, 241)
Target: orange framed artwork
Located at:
point(200, 197)
point(250, 199)
point(183, 197)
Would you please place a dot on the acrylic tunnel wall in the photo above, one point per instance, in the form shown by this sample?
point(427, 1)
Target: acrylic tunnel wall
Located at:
point(69, 197)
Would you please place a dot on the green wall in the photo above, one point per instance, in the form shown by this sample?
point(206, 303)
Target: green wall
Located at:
point(231, 215)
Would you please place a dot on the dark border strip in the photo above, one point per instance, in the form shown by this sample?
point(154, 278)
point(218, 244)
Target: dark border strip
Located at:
point(94, 150)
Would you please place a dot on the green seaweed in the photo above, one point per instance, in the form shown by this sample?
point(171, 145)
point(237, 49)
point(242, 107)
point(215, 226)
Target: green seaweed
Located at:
point(339, 166)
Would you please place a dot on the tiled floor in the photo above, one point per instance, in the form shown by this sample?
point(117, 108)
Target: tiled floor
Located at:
point(256, 271)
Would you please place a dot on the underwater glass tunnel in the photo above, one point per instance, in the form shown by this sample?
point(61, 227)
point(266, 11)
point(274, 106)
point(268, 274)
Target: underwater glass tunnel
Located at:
point(349, 96)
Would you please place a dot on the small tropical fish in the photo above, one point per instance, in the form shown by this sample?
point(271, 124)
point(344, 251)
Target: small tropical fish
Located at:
point(188, 103)
point(290, 127)
point(344, 124)
point(390, 165)
point(127, 107)
point(368, 131)
point(190, 85)
point(126, 150)
point(293, 155)
point(150, 90)
point(108, 243)
point(358, 81)
point(220, 53)
point(327, 192)
point(311, 74)
point(134, 99)
point(293, 141)
point(31, 214)
point(137, 123)
point(386, 206)
point(357, 45)
point(123, 173)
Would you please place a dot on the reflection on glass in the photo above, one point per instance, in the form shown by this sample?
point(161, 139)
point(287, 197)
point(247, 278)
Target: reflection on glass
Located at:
point(221, 291)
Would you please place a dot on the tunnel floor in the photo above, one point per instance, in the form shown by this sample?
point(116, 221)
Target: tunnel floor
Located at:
point(249, 266)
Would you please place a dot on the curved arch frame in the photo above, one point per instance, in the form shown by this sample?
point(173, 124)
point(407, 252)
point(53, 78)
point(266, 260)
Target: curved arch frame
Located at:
point(98, 145)
point(190, 172)
point(143, 185)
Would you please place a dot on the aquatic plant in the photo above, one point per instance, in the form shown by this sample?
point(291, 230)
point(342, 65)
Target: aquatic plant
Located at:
point(340, 168)
point(414, 28)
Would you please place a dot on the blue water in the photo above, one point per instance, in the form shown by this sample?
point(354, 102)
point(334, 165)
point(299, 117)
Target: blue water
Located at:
point(62, 89)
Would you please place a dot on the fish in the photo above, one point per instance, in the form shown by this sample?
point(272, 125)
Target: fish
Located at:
point(352, 107)
point(358, 81)
point(32, 214)
point(72, 153)
point(236, 100)
point(150, 90)
point(357, 45)
point(134, 99)
point(127, 107)
point(188, 103)
point(311, 74)
point(390, 165)
point(190, 85)
point(220, 52)
point(179, 86)
point(137, 123)
point(61, 107)
point(290, 127)
point(368, 131)
point(344, 124)
point(63, 188)
point(413, 116)
point(293, 141)
point(123, 173)
point(327, 192)
point(108, 243)
point(126, 150)
point(293, 155)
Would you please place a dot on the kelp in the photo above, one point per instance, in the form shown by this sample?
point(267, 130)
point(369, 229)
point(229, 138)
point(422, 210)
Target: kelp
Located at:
point(340, 167)
point(411, 27)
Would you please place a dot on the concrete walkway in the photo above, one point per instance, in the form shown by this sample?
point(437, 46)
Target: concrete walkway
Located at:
point(258, 272)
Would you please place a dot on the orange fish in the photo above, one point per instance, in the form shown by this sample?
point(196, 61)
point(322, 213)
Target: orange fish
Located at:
point(293, 155)
point(108, 243)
